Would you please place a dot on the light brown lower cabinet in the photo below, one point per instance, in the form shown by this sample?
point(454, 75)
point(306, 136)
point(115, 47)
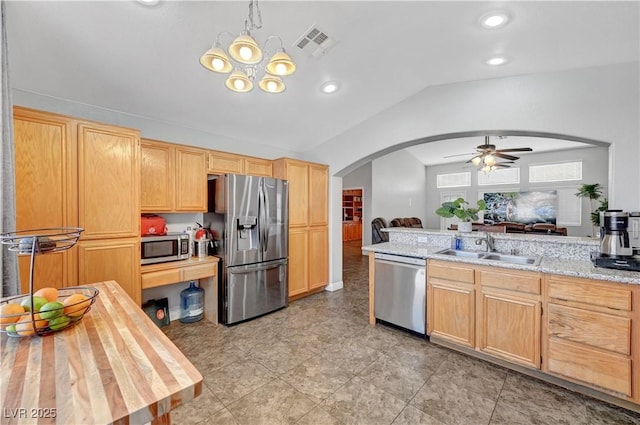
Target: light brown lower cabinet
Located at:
point(509, 315)
point(592, 334)
point(451, 302)
point(583, 331)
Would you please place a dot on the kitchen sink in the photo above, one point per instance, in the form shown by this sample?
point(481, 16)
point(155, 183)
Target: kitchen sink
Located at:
point(467, 254)
point(493, 256)
point(515, 259)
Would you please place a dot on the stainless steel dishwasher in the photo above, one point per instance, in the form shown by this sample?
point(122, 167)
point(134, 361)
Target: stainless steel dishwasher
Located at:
point(400, 287)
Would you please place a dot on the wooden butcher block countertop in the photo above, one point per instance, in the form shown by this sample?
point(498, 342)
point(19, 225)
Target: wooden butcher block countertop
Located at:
point(114, 366)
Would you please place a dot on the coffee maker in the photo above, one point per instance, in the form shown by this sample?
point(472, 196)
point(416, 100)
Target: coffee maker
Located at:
point(616, 251)
point(614, 238)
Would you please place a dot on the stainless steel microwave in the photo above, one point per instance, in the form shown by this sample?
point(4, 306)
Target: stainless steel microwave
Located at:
point(160, 249)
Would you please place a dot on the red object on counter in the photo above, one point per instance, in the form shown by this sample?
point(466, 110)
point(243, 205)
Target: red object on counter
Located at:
point(152, 225)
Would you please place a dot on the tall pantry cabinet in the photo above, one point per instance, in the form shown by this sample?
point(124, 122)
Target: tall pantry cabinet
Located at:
point(75, 173)
point(308, 224)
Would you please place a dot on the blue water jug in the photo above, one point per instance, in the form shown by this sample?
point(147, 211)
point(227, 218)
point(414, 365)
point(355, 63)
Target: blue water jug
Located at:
point(191, 303)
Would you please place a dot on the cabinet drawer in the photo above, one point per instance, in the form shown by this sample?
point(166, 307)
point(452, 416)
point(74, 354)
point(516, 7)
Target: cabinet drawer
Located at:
point(503, 279)
point(159, 278)
point(600, 330)
point(199, 272)
point(604, 370)
point(582, 291)
point(450, 271)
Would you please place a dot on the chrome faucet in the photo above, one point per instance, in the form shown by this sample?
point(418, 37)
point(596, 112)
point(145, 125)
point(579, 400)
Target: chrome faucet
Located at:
point(488, 239)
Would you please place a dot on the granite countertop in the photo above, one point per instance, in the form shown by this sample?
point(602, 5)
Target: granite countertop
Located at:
point(552, 265)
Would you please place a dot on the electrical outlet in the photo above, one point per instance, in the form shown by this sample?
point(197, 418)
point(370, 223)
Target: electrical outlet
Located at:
point(422, 239)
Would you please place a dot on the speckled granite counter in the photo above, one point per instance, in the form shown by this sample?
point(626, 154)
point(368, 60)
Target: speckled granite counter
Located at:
point(560, 255)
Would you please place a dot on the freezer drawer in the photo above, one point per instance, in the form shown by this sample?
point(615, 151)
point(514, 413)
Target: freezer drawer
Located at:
point(401, 291)
point(252, 291)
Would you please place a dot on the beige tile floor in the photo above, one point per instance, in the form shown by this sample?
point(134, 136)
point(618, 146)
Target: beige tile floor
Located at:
point(319, 362)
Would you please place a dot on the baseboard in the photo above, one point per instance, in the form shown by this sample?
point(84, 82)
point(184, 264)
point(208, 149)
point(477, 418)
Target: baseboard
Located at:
point(334, 286)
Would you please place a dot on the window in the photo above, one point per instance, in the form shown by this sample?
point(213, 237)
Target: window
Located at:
point(559, 172)
point(445, 223)
point(454, 180)
point(502, 176)
point(569, 211)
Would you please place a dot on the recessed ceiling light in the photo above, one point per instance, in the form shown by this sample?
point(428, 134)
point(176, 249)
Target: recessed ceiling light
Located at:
point(493, 20)
point(330, 87)
point(496, 60)
point(148, 2)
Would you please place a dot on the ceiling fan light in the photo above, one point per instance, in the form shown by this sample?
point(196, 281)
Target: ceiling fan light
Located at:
point(486, 169)
point(239, 82)
point(281, 64)
point(489, 160)
point(216, 60)
point(272, 84)
point(476, 161)
point(244, 49)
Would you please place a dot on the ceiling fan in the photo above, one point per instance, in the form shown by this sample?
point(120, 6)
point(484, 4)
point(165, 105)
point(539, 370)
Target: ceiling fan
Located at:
point(486, 156)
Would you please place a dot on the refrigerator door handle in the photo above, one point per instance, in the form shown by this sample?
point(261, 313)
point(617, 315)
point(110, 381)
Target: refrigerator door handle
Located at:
point(262, 208)
point(267, 217)
point(257, 267)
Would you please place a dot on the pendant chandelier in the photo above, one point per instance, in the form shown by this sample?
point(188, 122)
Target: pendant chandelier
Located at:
point(247, 59)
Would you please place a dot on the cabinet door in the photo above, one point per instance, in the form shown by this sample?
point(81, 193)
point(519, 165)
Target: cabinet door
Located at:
point(221, 163)
point(297, 174)
point(451, 312)
point(46, 181)
point(109, 181)
point(509, 327)
point(157, 173)
point(318, 194)
point(116, 259)
point(191, 180)
point(298, 266)
point(318, 257)
point(258, 167)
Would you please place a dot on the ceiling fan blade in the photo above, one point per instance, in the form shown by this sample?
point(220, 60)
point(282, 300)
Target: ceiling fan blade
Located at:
point(459, 154)
point(504, 156)
point(515, 150)
point(501, 165)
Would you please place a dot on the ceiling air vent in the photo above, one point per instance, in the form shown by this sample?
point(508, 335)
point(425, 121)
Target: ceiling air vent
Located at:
point(315, 42)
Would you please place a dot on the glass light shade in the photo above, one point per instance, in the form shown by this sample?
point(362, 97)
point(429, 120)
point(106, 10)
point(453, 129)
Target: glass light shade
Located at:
point(489, 160)
point(239, 82)
point(216, 60)
point(476, 161)
point(244, 49)
point(281, 64)
point(272, 84)
point(486, 169)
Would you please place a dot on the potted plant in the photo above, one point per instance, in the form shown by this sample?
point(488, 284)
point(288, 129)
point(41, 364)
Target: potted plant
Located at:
point(593, 192)
point(460, 209)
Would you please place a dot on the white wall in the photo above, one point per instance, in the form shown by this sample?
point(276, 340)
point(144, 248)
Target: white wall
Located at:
point(601, 103)
point(360, 178)
point(594, 170)
point(399, 187)
point(149, 129)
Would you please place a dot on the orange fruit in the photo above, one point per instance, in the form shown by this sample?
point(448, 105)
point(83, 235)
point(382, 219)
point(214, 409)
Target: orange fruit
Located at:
point(51, 294)
point(75, 305)
point(24, 326)
point(9, 313)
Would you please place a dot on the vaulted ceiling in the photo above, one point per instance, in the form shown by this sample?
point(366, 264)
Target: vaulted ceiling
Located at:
point(140, 60)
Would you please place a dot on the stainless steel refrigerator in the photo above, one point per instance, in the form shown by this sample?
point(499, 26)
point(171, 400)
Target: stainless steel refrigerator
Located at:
point(250, 217)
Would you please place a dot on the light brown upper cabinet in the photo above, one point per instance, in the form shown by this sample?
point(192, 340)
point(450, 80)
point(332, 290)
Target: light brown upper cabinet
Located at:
point(224, 162)
point(173, 178)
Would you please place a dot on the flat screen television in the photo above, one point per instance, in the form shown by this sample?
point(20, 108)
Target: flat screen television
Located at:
point(521, 207)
